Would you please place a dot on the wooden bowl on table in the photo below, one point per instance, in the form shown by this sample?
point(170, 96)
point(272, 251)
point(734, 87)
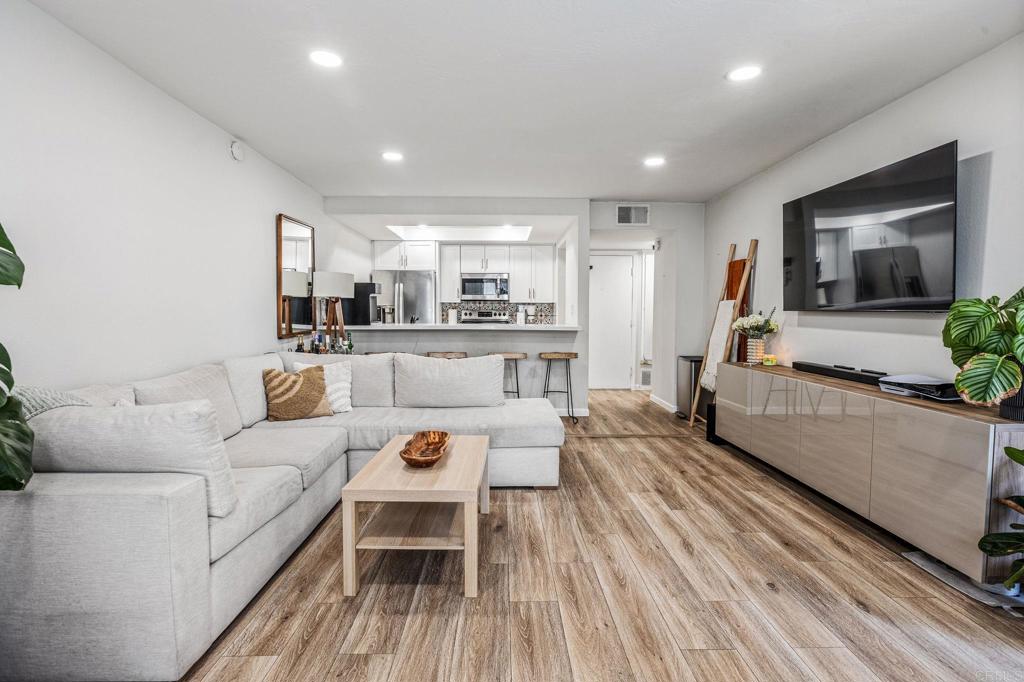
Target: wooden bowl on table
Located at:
point(425, 448)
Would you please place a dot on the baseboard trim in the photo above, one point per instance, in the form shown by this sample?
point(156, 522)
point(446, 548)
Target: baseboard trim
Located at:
point(663, 404)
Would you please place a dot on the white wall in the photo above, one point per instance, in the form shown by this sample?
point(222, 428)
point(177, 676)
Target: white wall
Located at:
point(678, 282)
point(148, 249)
point(532, 371)
point(981, 104)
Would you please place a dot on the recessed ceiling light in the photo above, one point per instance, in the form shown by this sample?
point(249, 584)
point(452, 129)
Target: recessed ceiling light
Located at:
point(654, 161)
point(506, 227)
point(421, 226)
point(744, 73)
point(392, 156)
point(325, 58)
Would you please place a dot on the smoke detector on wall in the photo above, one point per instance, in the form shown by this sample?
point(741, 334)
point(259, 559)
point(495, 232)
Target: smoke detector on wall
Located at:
point(632, 214)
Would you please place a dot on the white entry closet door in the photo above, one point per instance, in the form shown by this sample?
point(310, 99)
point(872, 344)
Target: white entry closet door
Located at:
point(611, 315)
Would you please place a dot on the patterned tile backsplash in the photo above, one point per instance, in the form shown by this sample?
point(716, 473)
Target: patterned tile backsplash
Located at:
point(545, 311)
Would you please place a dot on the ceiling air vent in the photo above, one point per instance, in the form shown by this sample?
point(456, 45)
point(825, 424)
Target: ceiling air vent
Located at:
point(632, 214)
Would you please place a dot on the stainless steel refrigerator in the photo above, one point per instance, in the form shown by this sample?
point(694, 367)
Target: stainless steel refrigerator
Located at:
point(410, 291)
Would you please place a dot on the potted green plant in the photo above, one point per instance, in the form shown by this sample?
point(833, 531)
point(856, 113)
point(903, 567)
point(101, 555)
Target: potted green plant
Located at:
point(756, 328)
point(16, 437)
point(1008, 543)
point(986, 341)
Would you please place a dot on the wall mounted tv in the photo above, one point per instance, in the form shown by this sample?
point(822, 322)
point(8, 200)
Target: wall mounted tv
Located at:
point(883, 241)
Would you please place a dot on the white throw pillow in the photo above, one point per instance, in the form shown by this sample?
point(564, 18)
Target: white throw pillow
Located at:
point(338, 377)
point(433, 382)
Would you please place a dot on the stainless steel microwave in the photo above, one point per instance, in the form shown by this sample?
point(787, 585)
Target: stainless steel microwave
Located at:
point(484, 287)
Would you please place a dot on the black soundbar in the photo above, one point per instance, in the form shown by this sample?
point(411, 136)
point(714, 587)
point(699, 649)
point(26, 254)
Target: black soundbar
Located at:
point(862, 376)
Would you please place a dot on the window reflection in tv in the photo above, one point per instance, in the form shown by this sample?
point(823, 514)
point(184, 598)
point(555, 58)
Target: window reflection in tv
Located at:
point(885, 240)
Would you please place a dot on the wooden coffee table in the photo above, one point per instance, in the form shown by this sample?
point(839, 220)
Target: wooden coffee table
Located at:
point(420, 507)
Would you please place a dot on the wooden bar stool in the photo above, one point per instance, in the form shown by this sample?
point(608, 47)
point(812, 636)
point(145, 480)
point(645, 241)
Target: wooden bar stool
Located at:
point(447, 355)
point(567, 356)
point(514, 358)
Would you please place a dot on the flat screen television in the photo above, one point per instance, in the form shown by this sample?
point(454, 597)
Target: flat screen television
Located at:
point(883, 241)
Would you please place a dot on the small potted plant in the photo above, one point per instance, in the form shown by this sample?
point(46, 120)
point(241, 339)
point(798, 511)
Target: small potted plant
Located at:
point(986, 341)
point(756, 328)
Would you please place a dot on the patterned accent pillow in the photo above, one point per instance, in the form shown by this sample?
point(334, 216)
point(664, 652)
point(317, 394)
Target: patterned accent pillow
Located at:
point(296, 395)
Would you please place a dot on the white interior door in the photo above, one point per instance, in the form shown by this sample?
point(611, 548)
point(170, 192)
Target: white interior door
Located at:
point(611, 315)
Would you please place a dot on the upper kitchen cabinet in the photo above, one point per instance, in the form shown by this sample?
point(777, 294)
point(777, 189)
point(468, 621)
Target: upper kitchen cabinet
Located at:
point(496, 259)
point(450, 277)
point(480, 258)
point(531, 274)
point(472, 258)
point(404, 255)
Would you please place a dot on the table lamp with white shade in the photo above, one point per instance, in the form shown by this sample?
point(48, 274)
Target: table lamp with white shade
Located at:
point(334, 286)
point(294, 284)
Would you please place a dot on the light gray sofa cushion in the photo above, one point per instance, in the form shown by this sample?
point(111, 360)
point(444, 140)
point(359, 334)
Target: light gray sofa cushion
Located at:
point(434, 382)
point(530, 422)
point(310, 450)
point(373, 376)
point(174, 438)
point(107, 395)
point(263, 493)
point(245, 376)
point(203, 381)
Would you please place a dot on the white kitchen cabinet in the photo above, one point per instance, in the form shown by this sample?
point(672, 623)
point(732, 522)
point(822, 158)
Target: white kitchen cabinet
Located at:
point(496, 259)
point(420, 255)
point(451, 273)
point(543, 274)
point(404, 255)
point(531, 274)
point(473, 256)
point(520, 273)
point(388, 255)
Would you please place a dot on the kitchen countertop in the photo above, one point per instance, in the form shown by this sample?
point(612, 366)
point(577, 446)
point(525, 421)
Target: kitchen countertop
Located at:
point(470, 327)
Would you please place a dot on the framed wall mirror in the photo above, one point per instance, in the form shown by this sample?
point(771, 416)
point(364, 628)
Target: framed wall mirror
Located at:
point(296, 258)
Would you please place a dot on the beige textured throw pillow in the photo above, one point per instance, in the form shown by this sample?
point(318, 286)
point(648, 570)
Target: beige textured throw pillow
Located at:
point(296, 395)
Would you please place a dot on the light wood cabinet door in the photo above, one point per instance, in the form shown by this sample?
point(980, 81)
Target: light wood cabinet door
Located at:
point(451, 275)
point(732, 400)
point(388, 255)
point(496, 259)
point(774, 422)
point(835, 444)
point(520, 274)
point(420, 255)
point(543, 274)
point(473, 258)
point(930, 481)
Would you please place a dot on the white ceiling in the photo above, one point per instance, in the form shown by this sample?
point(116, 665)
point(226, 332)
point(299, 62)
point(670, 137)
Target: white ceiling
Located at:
point(547, 229)
point(537, 98)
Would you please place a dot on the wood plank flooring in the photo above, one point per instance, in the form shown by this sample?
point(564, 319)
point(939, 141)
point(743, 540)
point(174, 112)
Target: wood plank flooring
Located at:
point(659, 557)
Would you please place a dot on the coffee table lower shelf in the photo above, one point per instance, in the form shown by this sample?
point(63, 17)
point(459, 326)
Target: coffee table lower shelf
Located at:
point(415, 525)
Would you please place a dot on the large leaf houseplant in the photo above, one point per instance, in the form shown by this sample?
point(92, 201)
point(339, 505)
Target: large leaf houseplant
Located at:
point(986, 341)
point(15, 435)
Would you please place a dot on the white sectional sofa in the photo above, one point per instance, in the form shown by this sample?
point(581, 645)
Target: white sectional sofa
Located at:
point(146, 530)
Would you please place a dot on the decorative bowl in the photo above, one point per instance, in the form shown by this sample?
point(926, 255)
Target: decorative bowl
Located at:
point(425, 448)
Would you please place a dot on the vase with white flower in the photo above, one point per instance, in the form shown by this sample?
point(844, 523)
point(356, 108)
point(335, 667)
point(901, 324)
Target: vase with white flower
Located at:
point(756, 328)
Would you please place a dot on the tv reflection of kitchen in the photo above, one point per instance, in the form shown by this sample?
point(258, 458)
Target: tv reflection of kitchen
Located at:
point(885, 240)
